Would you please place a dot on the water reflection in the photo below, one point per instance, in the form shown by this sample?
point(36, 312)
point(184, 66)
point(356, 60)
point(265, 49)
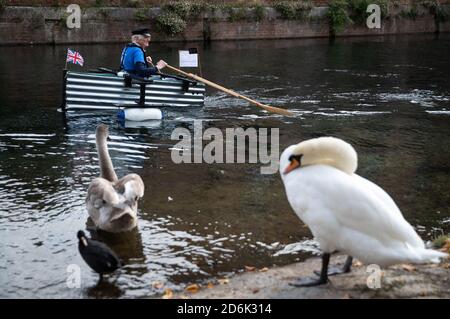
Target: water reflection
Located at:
point(104, 289)
point(200, 222)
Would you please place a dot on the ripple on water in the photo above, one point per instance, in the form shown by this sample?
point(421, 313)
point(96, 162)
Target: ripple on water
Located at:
point(44, 175)
point(43, 206)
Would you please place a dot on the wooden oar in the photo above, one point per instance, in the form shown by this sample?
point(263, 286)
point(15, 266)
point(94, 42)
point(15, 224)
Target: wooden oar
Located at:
point(231, 92)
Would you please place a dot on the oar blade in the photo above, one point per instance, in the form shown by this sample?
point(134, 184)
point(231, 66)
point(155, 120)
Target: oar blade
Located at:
point(276, 110)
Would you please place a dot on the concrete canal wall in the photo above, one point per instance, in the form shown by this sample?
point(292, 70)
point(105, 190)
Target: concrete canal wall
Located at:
point(33, 22)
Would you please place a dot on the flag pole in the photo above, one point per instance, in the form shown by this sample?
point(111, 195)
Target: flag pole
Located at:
point(65, 67)
point(199, 64)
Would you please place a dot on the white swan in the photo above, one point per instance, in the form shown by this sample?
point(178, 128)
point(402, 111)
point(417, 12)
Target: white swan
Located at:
point(112, 203)
point(346, 212)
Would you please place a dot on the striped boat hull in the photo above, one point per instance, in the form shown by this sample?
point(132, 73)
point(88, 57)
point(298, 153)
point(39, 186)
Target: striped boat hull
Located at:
point(104, 91)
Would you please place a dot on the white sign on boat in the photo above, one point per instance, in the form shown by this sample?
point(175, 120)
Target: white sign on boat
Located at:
point(188, 60)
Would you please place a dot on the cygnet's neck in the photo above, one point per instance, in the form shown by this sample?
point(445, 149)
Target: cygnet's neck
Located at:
point(106, 166)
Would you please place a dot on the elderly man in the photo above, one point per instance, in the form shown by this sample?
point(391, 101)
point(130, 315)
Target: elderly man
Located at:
point(133, 58)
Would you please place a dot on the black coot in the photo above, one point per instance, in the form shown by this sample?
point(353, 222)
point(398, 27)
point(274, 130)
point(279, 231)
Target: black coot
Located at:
point(97, 255)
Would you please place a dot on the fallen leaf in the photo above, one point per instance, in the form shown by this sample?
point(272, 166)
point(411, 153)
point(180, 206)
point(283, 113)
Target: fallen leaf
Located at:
point(263, 269)
point(223, 281)
point(255, 291)
point(157, 284)
point(210, 285)
point(184, 297)
point(357, 263)
point(250, 268)
point(192, 288)
point(168, 294)
point(408, 267)
point(446, 247)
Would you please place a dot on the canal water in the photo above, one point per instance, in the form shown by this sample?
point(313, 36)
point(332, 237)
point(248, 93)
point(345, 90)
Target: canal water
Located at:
point(198, 223)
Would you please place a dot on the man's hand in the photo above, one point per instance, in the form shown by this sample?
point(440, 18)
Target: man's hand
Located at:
point(161, 64)
point(149, 59)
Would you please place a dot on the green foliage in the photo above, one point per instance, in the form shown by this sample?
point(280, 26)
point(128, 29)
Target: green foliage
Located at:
point(170, 23)
point(435, 9)
point(430, 4)
point(358, 9)
point(338, 16)
point(141, 14)
point(55, 3)
point(441, 14)
point(239, 12)
point(63, 19)
point(133, 3)
point(440, 241)
point(409, 14)
point(103, 13)
point(259, 12)
point(344, 12)
point(185, 9)
point(2, 4)
point(175, 13)
point(98, 3)
point(180, 8)
point(293, 10)
point(236, 14)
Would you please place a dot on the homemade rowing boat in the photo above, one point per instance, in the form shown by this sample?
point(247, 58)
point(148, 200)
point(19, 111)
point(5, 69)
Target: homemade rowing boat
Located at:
point(108, 90)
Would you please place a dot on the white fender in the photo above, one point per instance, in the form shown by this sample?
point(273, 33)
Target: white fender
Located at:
point(140, 114)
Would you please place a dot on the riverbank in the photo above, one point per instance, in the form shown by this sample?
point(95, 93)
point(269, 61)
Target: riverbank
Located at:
point(401, 281)
point(21, 23)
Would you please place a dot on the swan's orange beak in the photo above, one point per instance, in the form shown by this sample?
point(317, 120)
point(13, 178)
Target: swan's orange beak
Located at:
point(293, 165)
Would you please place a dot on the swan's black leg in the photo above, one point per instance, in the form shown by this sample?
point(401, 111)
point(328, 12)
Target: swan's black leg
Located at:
point(337, 270)
point(348, 264)
point(323, 277)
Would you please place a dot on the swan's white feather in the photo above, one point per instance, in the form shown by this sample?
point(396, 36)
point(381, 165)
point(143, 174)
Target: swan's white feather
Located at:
point(349, 213)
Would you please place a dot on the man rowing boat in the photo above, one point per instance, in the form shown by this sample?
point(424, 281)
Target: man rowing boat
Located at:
point(133, 58)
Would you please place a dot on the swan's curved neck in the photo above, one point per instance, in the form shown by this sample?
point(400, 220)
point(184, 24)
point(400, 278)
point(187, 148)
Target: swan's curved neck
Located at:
point(106, 166)
point(333, 152)
point(338, 160)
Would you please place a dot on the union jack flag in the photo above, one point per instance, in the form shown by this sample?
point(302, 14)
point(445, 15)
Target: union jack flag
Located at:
point(74, 57)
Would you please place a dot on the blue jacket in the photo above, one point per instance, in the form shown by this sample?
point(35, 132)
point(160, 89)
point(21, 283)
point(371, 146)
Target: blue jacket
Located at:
point(133, 61)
